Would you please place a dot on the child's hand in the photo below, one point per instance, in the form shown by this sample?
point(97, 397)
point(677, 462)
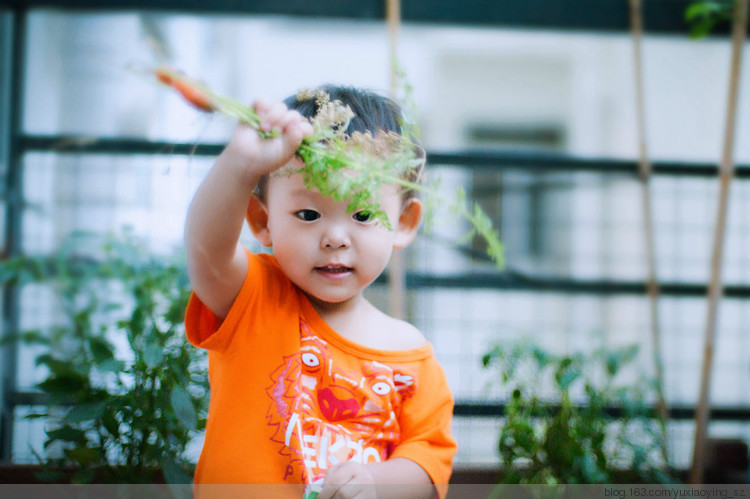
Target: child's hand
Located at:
point(348, 481)
point(259, 156)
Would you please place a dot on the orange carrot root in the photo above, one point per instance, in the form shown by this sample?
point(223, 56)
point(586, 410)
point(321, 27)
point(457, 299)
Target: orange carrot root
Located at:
point(189, 91)
point(164, 76)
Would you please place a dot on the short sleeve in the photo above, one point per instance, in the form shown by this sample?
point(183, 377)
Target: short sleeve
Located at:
point(426, 426)
point(263, 282)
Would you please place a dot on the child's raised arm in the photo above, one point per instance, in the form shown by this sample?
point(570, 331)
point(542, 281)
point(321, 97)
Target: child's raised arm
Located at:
point(217, 263)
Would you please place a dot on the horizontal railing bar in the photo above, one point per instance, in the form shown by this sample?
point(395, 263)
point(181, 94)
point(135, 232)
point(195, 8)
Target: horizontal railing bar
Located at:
point(472, 159)
point(477, 409)
point(677, 412)
point(665, 17)
point(518, 282)
point(104, 145)
point(552, 162)
point(512, 280)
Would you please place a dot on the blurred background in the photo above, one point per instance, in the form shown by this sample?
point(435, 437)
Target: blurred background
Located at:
point(532, 110)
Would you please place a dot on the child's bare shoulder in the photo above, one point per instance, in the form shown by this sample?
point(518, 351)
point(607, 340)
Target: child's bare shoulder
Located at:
point(395, 334)
point(409, 336)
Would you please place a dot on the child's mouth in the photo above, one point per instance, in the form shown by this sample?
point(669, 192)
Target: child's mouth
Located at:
point(333, 269)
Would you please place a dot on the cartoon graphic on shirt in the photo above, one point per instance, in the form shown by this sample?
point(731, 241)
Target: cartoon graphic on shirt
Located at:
point(325, 415)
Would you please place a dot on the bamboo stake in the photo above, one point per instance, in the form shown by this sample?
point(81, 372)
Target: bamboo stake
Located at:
point(397, 279)
point(644, 169)
point(715, 289)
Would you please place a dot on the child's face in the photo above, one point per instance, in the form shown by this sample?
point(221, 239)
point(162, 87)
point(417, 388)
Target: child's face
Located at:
point(330, 254)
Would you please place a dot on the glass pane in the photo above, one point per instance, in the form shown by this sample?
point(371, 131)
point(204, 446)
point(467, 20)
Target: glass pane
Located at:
point(86, 71)
point(562, 91)
point(104, 193)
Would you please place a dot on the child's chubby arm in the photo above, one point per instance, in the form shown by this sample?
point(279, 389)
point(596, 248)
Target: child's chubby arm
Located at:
point(217, 263)
point(397, 478)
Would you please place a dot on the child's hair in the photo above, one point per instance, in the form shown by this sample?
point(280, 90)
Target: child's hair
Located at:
point(372, 113)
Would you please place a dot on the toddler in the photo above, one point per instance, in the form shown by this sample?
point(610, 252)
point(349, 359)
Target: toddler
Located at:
point(310, 383)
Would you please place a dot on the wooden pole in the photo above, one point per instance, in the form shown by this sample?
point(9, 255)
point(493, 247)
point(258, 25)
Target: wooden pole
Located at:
point(644, 170)
point(396, 275)
point(393, 15)
point(726, 173)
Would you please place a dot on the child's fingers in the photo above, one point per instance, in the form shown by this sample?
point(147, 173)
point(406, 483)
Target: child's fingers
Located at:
point(294, 126)
point(271, 118)
point(350, 490)
point(348, 481)
point(290, 118)
point(336, 477)
point(261, 107)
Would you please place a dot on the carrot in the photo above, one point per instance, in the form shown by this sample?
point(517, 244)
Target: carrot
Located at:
point(164, 76)
point(190, 91)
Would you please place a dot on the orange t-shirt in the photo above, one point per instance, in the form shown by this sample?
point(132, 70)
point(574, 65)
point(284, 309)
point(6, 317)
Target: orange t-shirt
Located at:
point(290, 397)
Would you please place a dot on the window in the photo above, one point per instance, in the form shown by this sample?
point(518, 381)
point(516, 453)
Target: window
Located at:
point(537, 125)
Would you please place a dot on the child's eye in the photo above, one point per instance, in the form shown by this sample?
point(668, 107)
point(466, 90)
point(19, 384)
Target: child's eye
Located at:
point(363, 216)
point(307, 215)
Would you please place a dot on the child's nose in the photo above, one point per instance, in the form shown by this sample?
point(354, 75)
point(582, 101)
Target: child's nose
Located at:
point(335, 236)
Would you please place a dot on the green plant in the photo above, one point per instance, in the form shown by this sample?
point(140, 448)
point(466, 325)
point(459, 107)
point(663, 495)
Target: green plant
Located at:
point(124, 391)
point(703, 15)
point(559, 425)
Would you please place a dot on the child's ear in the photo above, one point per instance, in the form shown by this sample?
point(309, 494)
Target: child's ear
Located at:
point(408, 223)
point(257, 219)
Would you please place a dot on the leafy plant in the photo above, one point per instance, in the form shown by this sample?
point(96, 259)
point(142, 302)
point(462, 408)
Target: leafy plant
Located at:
point(124, 391)
point(347, 168)
point(702, 16)
point(559, 425)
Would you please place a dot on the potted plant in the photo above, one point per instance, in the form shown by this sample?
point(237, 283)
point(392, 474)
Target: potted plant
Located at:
point(575, 418)
point(124, 392)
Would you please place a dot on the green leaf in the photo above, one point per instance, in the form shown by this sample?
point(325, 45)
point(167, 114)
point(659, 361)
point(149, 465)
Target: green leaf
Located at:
point(559, 444)
point(64, 384)
point(174, 474)
point(57, 367)
point(523, 435)
point(176, 312)
point(110, 423)
point(153, 354)
point(66, 434)
point(183, 408)
point(33, 337)
point(591, 471)
point(517, 394)
point(111, 365)
point(177, 480)
point(699, 9)
point(494, 354)
point(85, 412)
point(702, 16)
point(101, 350)
point(202, 424)
point(567, 373)
point(84, 456)
point(36, 415)
point(615, 359)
